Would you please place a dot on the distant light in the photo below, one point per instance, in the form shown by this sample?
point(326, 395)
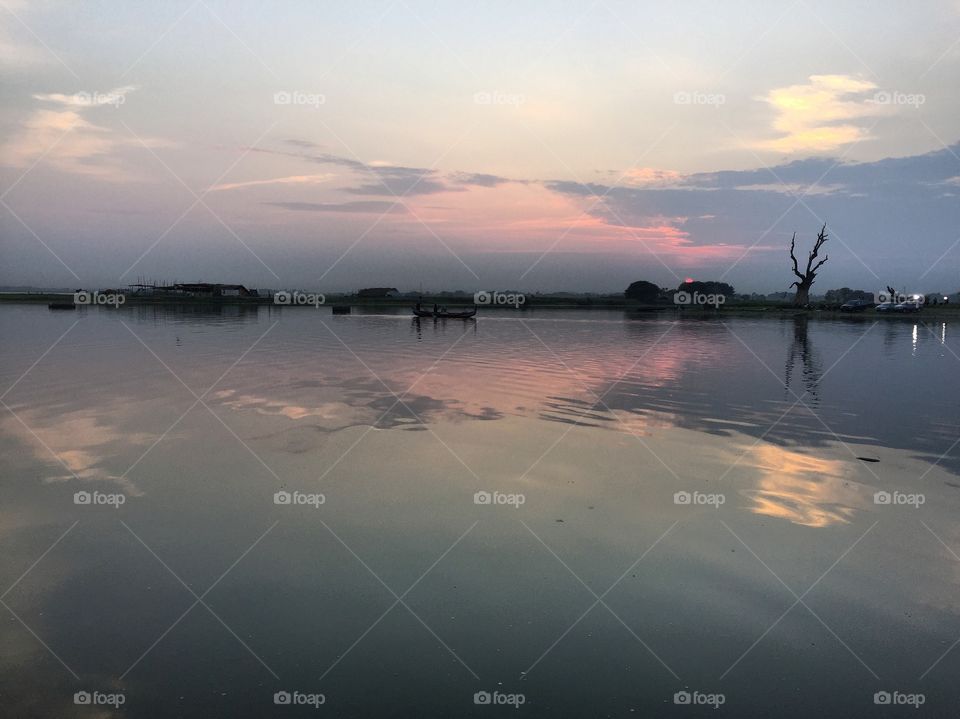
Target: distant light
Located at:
point(689, 279)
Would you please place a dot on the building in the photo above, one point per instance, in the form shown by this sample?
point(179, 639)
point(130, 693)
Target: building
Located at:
point(195, 289)
point(378, 292)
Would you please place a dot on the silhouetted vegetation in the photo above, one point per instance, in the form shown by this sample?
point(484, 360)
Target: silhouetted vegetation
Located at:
point(708, 288)
point(642, 291)
point(845, 294)
point(804, 280)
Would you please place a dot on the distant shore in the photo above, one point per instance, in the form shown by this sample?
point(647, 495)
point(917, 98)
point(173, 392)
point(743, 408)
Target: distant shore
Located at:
point(534, 303)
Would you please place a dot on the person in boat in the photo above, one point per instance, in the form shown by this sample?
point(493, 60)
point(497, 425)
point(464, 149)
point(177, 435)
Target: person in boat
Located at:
point(418, 305)
point(435, 308)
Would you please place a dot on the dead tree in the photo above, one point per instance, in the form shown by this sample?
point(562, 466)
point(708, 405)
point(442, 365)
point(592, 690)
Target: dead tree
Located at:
point(805, 279)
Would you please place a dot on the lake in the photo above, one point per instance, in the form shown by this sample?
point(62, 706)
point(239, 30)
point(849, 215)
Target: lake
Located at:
point(254, 511)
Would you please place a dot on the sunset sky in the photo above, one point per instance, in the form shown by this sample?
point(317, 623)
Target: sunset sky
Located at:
point(495, 145)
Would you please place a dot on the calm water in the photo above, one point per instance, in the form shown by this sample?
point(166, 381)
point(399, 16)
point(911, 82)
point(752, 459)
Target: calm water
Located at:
point(586, 587)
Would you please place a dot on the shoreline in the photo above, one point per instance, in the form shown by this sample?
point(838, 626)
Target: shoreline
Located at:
point(745, 309)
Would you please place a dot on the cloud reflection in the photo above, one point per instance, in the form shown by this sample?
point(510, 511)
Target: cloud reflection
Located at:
point(802, 489)
point(83, 440)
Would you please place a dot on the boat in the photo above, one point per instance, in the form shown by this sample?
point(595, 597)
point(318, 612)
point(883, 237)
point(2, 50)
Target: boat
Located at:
point(465, 315)
point(62, 306)
point(444, 315)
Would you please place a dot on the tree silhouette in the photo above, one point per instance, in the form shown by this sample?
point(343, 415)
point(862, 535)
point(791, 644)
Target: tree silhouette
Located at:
point(643, 291)
point(805, 280)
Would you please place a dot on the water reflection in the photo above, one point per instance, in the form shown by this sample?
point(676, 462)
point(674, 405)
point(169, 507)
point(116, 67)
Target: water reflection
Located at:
point(499, 395)
point(340, 414)
point(80, 443)
point(803, 489)
point(589, 368)
point(811, 368)
point(198, 314)
point(441, 326)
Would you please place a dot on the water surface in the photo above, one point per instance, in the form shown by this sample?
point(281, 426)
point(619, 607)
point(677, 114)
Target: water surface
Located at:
point(602, 594)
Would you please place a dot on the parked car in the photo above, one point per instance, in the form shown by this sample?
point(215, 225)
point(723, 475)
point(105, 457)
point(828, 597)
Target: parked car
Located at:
point(908, 306)
point(855, 306)
point(886, 307)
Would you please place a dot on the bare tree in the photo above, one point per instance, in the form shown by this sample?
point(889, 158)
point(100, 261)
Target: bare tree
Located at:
point(805, 279)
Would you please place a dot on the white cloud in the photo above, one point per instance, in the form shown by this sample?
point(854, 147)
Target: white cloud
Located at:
point(821, 114)
point(67, 140)
point(650, 177)
point(291, 180)
point(797, 189)
point(115, 97)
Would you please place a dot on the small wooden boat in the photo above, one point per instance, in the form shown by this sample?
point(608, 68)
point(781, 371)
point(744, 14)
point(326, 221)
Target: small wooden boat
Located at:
point(467, 314)
point(341, 309)
point(62, 306)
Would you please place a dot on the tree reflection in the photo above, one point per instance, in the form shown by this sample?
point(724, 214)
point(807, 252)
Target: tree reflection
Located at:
point(811, 366)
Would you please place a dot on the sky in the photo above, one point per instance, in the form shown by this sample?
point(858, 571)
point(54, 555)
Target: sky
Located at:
point(535, 146)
